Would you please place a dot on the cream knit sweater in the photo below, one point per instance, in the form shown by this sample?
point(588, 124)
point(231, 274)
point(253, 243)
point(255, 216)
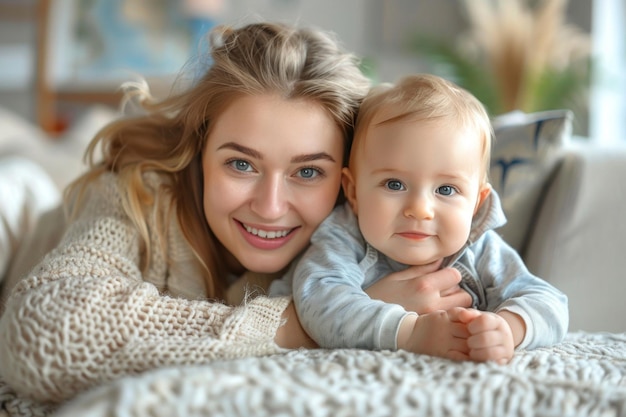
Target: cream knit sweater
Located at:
point(86, 315)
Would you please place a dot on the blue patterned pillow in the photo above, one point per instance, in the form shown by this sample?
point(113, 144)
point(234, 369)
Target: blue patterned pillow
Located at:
point(524, 156)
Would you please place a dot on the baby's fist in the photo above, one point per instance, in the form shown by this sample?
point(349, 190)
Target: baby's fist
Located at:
point(491, 338)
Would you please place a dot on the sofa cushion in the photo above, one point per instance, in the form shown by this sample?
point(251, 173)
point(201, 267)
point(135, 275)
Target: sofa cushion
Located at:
point(524, 156)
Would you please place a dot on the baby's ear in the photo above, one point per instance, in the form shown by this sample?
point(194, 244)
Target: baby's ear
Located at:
point(483, 193)
point(349, 188)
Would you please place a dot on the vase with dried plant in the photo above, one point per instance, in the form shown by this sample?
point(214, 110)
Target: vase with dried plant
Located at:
point(516, 55)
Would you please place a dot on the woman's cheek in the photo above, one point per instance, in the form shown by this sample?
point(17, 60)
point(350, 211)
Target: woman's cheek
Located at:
point(325, 201)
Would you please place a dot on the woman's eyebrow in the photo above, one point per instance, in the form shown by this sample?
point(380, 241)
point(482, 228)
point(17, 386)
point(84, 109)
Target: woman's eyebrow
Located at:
point(243, 149)
point(312, 157)
point(256, 154)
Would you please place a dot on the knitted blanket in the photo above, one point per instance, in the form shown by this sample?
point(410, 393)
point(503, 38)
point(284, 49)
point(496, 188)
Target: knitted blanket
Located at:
point(583, 376)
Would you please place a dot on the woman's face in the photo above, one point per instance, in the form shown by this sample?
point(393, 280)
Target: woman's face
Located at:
point(272, 172)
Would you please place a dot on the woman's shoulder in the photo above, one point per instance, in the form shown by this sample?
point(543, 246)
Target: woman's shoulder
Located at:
point(111, 197)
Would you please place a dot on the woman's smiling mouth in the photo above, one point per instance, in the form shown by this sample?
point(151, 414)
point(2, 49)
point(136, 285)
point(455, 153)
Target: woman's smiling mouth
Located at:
point(266, 234)
point(266, 239)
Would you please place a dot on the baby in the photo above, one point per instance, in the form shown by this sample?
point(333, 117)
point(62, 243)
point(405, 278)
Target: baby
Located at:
point(418, 194)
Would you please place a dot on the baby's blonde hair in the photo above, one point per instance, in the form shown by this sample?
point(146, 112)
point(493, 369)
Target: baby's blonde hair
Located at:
point(259, 58)
point(424, 97)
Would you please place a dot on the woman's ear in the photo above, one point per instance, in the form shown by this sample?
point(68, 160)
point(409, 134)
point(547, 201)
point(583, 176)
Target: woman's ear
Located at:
point(349, 188)
point(483, 193)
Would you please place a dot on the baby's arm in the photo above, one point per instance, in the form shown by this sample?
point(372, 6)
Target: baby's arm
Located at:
point(327, 290)
point(536, 311)
point(337, 313)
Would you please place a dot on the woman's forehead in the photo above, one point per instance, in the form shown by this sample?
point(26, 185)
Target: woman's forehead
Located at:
point(272, 124)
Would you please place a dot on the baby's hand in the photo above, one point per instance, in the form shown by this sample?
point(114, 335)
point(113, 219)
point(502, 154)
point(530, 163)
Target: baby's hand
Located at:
point(490, 338)
point(440, 333)
point(421, 292)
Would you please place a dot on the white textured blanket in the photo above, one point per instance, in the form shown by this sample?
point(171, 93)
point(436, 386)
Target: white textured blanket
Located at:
point(583, 376)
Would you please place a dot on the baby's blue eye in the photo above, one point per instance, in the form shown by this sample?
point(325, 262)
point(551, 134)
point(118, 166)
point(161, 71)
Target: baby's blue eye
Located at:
point(446, 190)
point(394, 185)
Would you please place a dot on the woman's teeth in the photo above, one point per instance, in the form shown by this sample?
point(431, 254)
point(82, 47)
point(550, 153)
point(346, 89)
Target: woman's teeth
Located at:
point(265, 234)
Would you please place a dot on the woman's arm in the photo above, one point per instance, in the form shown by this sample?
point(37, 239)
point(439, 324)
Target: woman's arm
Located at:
point(85, 315)
point(291, 335)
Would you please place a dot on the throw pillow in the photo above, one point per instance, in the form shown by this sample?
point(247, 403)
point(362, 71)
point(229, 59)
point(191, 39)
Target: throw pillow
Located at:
point(524, 156)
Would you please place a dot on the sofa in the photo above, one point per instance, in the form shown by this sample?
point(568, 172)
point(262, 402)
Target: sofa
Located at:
point(579, 235)
point(565, 198)
point(566, 216)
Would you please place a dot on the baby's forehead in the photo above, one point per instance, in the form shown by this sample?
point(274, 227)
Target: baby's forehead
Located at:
point(392, 118)
point(386, 122)
point(383, 128)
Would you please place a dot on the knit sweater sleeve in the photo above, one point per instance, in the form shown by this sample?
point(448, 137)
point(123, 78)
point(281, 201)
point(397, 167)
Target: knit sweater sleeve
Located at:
point(85, 315)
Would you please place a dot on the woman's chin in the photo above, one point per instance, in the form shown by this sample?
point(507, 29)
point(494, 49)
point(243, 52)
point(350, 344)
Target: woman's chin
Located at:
point(267, 266)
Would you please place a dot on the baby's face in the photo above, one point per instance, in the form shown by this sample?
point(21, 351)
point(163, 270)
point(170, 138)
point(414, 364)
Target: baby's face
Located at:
point(416, 189)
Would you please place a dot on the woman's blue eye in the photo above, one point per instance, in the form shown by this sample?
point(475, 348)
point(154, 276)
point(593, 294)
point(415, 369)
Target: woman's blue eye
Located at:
point(308, 173)
point(394, 185)
point(240, 165)
point(446, 190)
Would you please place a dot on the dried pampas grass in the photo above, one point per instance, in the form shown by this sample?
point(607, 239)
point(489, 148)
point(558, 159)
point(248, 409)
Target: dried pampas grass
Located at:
point(517, 55)
point(521, 40)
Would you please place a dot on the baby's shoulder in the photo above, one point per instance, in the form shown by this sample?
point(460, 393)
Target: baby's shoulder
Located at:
point(341, 225)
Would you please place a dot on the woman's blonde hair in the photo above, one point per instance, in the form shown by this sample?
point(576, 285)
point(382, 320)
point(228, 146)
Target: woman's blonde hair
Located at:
point(425, 97)
point(259, 58)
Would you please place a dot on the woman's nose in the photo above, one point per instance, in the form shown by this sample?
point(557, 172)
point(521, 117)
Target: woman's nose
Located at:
point(270, 200)
point(420, 206)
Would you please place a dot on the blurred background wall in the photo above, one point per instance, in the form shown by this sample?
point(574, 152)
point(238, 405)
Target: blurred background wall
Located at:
point(38, 49)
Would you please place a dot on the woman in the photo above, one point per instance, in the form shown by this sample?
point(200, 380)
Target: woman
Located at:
point(231, 175)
